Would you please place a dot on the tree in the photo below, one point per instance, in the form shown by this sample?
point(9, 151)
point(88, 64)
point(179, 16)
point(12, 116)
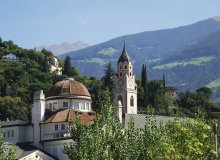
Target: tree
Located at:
point(164, 81)
point(106, 138)
point(45, 65)
point(195, 101)
point(205, 91)
point(7, 151)
point(13, 108)
point(67, 66)
point(144, 78)
point(108, 77)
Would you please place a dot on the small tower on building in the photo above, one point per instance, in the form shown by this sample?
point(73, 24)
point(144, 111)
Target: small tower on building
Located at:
point(125, 89)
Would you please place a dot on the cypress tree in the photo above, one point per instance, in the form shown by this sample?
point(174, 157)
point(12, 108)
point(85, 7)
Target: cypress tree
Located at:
point(67, 66)
point(144, 78)
point(144, 82)
point(164, 81)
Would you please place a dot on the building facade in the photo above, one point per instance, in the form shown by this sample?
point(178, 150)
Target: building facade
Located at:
point(125, 90)
point(54, 67)
point(51, 114)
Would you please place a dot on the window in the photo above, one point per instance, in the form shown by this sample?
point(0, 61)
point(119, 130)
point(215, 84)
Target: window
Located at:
point(65, 104)
point(120, 67)
point(130, 73)
point(62, 126)
point(65, 90)
point(120, 99)
point(56, 127)
point(82, 106)
point(120, 74)
point(3, 134)
point(12, 133)
point(61, 135)
point(87, 106)
point(56, 135)
point(125, 67)
point(132, 101)
point(50, 106)
point(55, 106)
point(76, 105)
point(8, 133)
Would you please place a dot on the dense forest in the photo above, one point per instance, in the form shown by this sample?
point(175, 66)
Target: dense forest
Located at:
point(19, 80)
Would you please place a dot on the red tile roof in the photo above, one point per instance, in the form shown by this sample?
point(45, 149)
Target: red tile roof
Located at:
point(68, 87)
point(68, 115)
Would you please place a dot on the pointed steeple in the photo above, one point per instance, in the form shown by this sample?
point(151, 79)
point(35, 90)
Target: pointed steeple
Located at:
point(124, 55)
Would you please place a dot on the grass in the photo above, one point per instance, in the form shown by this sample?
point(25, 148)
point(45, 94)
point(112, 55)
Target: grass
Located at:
point(214, 84)
point(108, 51)
point(194, 61)
point(95, 60)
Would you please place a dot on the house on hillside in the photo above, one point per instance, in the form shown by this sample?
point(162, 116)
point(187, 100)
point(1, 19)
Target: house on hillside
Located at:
point(10, 57)
point(171, 91)
point(54, 67)
point(47, 132)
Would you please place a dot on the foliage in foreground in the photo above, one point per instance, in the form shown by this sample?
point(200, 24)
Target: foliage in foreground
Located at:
point(7, 152)
point(107, 139)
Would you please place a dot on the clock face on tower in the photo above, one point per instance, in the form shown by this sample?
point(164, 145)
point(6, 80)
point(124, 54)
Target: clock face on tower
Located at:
point(120, 82)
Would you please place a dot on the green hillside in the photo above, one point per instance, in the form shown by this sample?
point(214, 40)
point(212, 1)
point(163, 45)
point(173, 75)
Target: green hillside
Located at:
point(194, 61)
point(142, 47)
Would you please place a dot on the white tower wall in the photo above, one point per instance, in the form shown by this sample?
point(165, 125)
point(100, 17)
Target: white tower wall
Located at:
point(38, 111)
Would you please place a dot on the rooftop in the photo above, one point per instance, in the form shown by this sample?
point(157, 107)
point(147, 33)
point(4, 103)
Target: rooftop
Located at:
point(68, 87)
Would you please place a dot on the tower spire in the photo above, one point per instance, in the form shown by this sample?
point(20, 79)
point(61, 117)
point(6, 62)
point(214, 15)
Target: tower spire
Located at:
point(124, 55)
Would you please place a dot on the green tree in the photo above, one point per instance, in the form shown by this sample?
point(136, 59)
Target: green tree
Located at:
point(7, 152)
point(67, 66)
point(205, 91)
point(144, 82)
point(106, 138)
point(13, 108)
point(196, 101)
point(108, 77)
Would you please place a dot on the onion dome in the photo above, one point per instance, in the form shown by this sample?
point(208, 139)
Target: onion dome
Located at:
point(124, 56)
point(68, 87)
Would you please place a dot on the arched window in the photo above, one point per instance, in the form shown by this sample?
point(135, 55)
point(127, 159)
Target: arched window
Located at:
point(120, 74)
point(125, 67)
point(120, 99)
point(132, 101)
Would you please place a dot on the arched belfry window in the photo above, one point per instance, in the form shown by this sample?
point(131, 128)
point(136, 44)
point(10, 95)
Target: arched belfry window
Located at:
point(120, 99)
point(132, 101)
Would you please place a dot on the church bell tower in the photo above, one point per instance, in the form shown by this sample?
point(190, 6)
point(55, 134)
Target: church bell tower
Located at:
point(125, 89)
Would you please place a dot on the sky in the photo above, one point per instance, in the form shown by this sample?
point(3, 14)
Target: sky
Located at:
point(32, 23)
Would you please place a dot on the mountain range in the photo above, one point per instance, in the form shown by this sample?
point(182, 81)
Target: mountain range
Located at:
point(63, 47)
point(188, 55)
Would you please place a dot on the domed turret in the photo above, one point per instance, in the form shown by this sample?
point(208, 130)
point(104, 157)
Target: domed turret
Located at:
point(68, 87)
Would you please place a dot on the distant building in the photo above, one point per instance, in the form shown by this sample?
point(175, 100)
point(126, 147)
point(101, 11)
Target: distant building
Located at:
point(47, 132)
point(171, 91)
point(10, 57)
point(54, 67)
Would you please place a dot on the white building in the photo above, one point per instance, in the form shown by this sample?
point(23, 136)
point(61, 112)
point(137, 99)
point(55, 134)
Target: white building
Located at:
point(10, 57)
point(51, 114)
point(125, 90)
point(54, 67)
